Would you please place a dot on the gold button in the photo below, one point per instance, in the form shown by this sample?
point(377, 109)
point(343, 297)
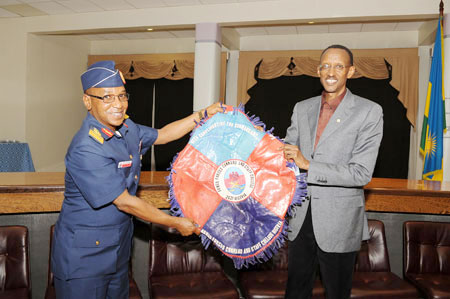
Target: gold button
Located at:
point(131, 156)
point(97, 243)
point(135, 177)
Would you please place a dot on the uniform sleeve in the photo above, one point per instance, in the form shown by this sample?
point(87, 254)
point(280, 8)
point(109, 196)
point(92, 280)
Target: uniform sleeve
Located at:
point(147, 136)
point(96, 176)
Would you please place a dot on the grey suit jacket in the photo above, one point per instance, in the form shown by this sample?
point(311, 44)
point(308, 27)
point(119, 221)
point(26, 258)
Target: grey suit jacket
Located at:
point(342, 163)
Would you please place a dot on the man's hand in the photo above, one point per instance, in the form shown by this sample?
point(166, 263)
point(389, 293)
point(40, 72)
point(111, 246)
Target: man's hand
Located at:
point(147, 211)
point(213, 109)
point(186, 226)
point(293, 153)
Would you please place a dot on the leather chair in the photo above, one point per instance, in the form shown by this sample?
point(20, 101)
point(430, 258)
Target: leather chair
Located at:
point(50, 293)
point(14, 263)
point(373, 277)
point(268, 280)
point(180, 267)
point(426, 257)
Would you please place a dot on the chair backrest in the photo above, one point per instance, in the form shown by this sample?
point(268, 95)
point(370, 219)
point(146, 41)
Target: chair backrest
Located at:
point(373, 255)
point(279, 261)
point(14, 258)
point(171, 253)
point(426, 247)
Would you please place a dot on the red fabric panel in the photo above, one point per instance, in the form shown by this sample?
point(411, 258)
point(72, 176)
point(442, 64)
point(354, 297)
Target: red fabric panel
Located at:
point(275, 183)
point(194, 186)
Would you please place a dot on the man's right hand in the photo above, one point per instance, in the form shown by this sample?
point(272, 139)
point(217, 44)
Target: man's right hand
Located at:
point(147, 211)
point(293, 153)
point(186, 226)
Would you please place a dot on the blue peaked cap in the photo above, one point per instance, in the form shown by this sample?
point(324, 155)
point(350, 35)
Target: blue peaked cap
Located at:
point(102, 74)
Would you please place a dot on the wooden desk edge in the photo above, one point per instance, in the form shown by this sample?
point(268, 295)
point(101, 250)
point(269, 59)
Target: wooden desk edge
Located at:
point(382, 195)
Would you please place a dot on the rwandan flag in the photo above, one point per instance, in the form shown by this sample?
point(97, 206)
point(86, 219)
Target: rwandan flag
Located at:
point(434, 124)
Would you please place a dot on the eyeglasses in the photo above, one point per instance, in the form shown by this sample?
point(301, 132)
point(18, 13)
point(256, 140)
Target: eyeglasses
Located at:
point(337, 67)
point(109, 98)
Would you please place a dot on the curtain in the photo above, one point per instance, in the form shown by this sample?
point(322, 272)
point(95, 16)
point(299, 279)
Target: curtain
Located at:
point(273, 100)
point(393, 155)
point(140, 108)
point(173, 101)
point(171, 70)
point(400, 65)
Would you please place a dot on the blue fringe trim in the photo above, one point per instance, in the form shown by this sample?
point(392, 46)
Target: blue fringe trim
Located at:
point(205, 117)
point(205, 241)
point(175, 208)
point(202, 120)
point(301, 190)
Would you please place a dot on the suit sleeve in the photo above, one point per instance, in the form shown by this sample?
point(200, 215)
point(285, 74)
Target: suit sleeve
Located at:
point(292, 131)
point(359, 169)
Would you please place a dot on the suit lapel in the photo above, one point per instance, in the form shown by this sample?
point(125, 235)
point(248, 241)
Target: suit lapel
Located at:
point(339, 117)
point(313, 118)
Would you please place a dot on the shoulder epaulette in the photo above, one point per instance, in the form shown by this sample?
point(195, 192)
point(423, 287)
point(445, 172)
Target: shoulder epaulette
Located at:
point(95, 134)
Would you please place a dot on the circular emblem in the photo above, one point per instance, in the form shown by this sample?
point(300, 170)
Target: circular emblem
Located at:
point(234, 180)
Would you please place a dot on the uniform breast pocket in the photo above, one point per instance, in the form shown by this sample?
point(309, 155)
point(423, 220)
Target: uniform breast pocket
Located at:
point(125, 167)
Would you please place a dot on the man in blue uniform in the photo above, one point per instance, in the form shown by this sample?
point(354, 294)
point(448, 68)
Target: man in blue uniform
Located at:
point(93, 234)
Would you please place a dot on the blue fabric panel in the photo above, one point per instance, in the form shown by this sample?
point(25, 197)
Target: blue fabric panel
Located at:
point(234, 135)
point(241, 225)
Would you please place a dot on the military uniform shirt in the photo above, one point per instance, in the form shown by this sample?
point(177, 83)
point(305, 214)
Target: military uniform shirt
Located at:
point(92, 236)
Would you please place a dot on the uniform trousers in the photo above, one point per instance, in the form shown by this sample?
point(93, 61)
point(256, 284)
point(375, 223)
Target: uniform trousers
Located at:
point(336, 269)
point(111, 286)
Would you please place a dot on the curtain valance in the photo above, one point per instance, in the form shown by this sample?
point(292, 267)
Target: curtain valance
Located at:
point(401, 65)
point(172, 70)
point(156, 66)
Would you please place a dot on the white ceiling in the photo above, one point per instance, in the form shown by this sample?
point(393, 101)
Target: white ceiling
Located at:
point(329, 28)
point(29, 8)
point(267, 30)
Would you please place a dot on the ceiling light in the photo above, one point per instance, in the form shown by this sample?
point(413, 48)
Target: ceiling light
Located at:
point(149, 29)
point(311, 22)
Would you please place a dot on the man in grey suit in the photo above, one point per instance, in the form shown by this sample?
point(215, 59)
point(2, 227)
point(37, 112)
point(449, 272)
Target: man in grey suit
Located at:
point(334, 138)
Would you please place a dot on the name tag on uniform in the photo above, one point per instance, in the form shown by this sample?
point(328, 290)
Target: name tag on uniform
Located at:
point(125, 164)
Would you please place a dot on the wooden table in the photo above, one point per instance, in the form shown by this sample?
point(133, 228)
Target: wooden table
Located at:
point(38, 192)
point(408, 196)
